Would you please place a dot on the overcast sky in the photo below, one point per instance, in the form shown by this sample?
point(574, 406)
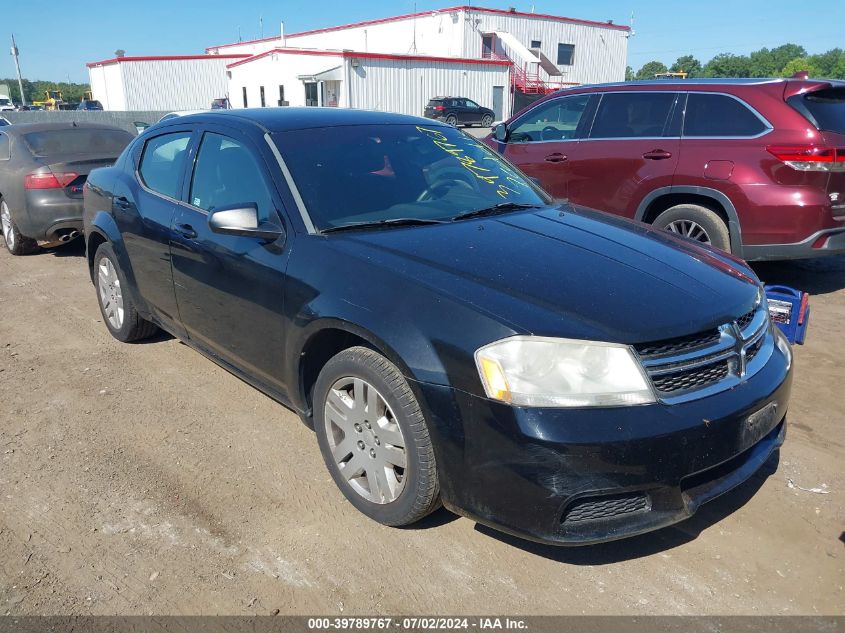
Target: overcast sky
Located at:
point(56, 45)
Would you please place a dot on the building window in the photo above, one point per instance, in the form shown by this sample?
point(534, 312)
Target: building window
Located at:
point(565, 54)
point(246, 105)
point(282, 101)
point(536, 43)
point(263, 104)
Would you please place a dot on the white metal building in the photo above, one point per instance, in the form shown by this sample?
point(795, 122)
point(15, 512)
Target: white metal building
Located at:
point(184, 82)
point(394, 64)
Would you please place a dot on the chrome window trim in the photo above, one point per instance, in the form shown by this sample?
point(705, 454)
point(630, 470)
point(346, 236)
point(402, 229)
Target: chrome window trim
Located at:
point(294, 190)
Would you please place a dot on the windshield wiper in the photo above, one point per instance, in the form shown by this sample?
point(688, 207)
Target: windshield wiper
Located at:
point(502, 207)
point(381, 223)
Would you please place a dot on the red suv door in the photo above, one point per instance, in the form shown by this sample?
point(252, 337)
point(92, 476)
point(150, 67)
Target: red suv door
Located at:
point(632, 148)
point(539, 142)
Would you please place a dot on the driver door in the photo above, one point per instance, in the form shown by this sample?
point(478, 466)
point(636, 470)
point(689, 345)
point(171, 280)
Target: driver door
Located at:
point(540, 140)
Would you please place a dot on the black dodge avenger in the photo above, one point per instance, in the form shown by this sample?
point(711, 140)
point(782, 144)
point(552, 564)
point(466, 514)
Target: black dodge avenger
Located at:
point(451, 333)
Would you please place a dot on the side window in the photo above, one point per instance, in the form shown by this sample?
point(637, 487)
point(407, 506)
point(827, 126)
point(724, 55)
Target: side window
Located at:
point(5, 150)
point(553, 121)
point(720, 115)
point(632, 114)
point(472, 104)
point(565, 54)
point(227, 174)
point(162, 161)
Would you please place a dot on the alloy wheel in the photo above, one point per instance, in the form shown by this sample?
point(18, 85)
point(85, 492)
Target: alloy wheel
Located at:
point(6, 220)
point(111, 294)
point(689, 229)
point(452, 120)
point(365, 440)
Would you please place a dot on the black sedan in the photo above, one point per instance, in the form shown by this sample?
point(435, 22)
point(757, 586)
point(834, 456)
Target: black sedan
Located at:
point(42, 169)
point(449, 332)
point(458, 111)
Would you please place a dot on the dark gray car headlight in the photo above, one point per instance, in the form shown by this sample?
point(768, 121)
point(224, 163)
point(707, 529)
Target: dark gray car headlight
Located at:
point(536, 371)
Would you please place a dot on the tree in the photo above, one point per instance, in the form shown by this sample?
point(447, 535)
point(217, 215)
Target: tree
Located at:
point(727, 65)
point(769, 63)
point(797, 65)
point(828, 62)
point(650, 69)
point(687, 64)
point(629, 73)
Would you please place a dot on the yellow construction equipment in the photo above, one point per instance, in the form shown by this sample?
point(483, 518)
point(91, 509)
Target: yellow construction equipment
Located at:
point(53, 100)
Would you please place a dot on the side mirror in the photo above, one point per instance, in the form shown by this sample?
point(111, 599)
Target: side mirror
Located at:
point(242, 220)
point(500, 133)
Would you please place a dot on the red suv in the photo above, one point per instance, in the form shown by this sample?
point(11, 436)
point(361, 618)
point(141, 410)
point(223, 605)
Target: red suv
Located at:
point(752, 166)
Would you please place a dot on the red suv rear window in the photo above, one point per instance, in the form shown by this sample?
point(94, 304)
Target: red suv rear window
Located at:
point(824, 108)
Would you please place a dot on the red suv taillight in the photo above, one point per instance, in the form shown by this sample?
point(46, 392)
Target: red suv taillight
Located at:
point(49, 180)
point(809, 157)
point(439, 108)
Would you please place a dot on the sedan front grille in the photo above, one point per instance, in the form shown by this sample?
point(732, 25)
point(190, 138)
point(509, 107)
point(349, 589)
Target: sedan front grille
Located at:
point(688, 367)
point(700, 376)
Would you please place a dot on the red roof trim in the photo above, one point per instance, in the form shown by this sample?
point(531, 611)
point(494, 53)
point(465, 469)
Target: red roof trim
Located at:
point(161, 58)
point(541, 16)
point(425, 58)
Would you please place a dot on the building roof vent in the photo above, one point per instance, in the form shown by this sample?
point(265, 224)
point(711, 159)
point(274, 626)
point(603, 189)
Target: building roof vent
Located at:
point(120, 53)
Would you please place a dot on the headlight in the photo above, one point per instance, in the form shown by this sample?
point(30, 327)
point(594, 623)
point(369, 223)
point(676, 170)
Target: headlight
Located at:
point(534, 371)
point(783, 345)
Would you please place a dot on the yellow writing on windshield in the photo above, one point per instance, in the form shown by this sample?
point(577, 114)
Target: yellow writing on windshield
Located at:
point(473, 166)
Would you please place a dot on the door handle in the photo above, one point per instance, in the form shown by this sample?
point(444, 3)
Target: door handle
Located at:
point(122, 203)
point(186, 230)
point(557, 157)
point(657, 154)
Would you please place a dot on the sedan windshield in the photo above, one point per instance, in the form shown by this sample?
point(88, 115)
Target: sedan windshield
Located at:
point(369, 174)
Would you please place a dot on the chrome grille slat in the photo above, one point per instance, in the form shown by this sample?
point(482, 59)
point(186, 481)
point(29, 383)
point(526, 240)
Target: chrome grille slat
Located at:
point(705, 363)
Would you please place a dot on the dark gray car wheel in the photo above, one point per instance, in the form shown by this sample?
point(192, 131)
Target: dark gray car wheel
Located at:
point(116, 304)
point(486, 120)
point(16, 243)
point(452, 120)
point(696, 223)
point(374, 438)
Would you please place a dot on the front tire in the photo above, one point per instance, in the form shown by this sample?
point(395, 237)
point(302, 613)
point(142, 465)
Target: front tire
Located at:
point(116, 304)
point(697, 223)
point(16, 243)
point(374, 438)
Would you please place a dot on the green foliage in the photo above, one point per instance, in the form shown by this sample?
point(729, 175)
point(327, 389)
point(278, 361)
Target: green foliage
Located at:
point(629, 73)
point(649, 70)
point(687, 64)
point(783, 61)
point(34, 90)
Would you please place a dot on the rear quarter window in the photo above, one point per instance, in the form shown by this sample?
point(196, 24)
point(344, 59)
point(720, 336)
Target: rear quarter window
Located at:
point(824, 108)
point(714, 115)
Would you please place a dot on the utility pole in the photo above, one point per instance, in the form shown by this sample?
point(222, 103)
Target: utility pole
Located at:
point(18, 67)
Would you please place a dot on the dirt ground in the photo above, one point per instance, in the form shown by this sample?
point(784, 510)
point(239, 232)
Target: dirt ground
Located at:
point(144, 479)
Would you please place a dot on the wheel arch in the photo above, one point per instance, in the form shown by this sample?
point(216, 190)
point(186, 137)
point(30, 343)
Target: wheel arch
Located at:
point(323, 339)
point(659, 200)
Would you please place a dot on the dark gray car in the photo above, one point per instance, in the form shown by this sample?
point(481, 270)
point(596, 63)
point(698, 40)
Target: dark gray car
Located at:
point(43, 167)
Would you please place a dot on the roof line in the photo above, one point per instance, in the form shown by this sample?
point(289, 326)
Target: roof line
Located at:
point(149, 58)
point(407, 16)
point(347, 54)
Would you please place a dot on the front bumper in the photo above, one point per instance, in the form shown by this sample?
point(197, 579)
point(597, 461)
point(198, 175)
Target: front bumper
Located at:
point(581, 476)
point(50, 213)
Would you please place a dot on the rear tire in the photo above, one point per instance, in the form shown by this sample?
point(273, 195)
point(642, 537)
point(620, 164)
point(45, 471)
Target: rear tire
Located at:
point(697, 223)
point(16, 243)
point(374, 438)
point(452, 120)
point(116, 304)
point(486, 121)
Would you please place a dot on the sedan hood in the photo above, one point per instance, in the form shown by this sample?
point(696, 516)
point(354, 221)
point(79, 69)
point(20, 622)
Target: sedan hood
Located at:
point(568, 273)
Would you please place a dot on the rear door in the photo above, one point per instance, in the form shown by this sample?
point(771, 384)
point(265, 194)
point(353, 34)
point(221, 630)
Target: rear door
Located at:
point(540, 141)
point(473, 112)
point(632, 148)
point(144, 207)
point(230, 288)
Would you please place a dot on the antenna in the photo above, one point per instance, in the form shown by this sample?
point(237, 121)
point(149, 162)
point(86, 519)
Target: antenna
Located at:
point(18, 68)
point(414, 42)
point(631, 33)
point(261, 26)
